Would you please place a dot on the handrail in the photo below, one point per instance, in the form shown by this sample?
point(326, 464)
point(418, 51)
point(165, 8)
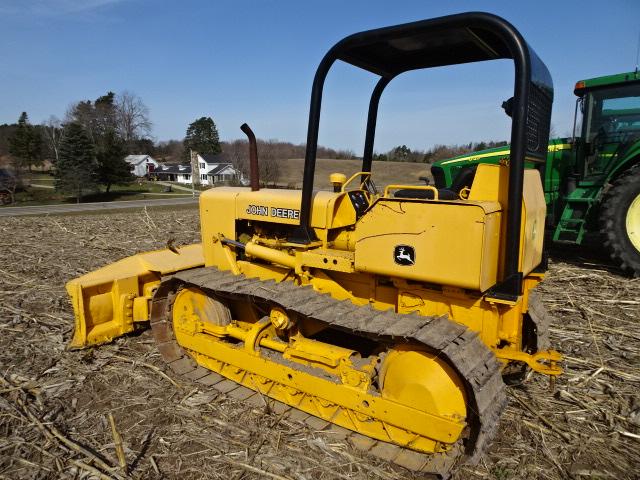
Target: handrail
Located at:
point(352, 177)
point(411, 187)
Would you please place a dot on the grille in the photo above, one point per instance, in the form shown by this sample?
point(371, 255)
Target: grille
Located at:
point(538, 122)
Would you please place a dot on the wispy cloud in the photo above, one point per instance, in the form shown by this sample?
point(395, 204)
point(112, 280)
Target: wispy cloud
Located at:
point(52, 7)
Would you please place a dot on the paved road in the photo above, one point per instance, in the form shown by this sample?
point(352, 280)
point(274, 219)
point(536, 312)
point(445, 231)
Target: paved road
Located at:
point(43, 210)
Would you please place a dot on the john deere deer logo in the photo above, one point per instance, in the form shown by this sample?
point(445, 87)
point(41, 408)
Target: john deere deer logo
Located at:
point(404, 255)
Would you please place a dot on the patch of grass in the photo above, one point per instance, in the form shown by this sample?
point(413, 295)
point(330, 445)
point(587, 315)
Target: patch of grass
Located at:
point(188, 185)
point(138, 187)
point(132, 191)
point(44, 178)
point(39, 196)
point(501, 473)
point(113, 196)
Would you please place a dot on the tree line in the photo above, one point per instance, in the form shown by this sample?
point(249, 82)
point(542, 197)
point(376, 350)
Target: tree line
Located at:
point(174, 150)
point(88, 147)
point(402, 153)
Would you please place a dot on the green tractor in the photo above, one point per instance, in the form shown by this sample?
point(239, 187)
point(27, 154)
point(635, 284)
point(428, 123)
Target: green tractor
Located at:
point(592, 180)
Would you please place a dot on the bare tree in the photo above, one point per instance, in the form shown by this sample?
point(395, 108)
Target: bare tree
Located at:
point(237, 152)
point(169, 150)
point(52, 129)
point(269, 154)
point(269, 165)
point(132, 117)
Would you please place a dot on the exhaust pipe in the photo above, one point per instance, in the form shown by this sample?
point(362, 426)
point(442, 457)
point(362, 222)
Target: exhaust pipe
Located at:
point(254, 173)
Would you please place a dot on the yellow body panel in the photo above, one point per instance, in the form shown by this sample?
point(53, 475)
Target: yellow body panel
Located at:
point(455, 243)
point(220, 208)
point(491, 184)
point(330, 210)
point(533, 218)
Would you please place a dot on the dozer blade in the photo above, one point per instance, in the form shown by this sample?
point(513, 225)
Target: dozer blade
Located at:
point(113, 300)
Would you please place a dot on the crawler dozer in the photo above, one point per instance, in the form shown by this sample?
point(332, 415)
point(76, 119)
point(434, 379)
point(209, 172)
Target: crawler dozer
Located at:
point(386, 317)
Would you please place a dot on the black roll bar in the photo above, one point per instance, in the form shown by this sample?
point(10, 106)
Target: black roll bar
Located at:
point(372, 118)
point(455, 39)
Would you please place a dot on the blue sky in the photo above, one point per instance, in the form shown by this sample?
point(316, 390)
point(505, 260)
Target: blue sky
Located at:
point(254, 61)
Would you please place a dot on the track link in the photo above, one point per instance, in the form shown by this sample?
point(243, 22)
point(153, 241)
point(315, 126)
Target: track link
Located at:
point(460, 347)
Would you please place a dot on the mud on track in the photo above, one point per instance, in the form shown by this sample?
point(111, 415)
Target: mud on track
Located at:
point(55, 404)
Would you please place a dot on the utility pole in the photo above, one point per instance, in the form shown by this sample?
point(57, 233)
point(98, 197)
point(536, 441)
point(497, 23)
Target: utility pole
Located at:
point(194, 172)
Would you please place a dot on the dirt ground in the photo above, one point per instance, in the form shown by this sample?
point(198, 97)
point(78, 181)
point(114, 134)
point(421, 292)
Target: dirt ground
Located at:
point(57, 406)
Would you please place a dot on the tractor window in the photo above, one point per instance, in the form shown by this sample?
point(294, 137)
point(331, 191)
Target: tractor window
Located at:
point(611, 120)
point(610, 112)
point(622, 113)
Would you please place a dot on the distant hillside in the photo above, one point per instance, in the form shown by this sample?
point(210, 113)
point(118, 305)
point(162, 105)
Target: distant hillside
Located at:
point(384, 173)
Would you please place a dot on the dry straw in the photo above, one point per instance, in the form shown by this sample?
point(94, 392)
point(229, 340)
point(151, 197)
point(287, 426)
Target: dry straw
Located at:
point(115, 412)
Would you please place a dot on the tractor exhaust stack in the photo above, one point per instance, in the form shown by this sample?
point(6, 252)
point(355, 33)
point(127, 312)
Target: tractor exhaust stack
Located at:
point(254, 172)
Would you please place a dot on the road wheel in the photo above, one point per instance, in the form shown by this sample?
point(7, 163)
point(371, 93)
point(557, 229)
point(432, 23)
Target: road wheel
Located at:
point(620, 221)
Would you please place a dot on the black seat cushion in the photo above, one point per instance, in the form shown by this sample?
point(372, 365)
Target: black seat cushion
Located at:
point(443, 194)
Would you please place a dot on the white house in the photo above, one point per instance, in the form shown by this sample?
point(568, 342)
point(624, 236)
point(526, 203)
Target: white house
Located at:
point(222, 172)
point(212, 170)
point(174, 173)
point(141, 165)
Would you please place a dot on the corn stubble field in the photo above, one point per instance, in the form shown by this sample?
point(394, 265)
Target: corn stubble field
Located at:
point(81, 414)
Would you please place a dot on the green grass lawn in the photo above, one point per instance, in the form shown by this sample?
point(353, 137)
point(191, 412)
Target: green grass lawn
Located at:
point(137, 187)
point(132, 191)
point(43, 178)
point(197, 188)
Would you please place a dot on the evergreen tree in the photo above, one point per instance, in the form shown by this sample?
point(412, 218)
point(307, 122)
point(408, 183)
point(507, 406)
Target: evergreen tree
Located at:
point(76, 170)
point(95, 117)
point(112, 168)
point(25, 145)
point(400, 153)
point(99, 120)
point(202, 137)
point(105, 114)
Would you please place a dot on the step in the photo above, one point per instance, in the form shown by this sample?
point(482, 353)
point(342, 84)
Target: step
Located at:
point(579, 200)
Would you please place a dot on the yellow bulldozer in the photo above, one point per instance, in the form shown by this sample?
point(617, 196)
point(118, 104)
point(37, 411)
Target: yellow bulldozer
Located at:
point(386, 316)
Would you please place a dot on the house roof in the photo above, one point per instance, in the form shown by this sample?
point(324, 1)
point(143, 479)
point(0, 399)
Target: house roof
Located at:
point(216, 169)
point(182, 169)
point(175, 169)
point(212, 158)
point(137, 159)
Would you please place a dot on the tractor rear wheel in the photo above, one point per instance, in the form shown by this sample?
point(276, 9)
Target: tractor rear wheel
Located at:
point(620, 220)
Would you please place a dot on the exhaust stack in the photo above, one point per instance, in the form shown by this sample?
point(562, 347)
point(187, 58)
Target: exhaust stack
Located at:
point(254, 172)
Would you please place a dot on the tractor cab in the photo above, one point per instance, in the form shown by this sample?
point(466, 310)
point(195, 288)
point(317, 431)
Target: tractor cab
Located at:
point(608, 116)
